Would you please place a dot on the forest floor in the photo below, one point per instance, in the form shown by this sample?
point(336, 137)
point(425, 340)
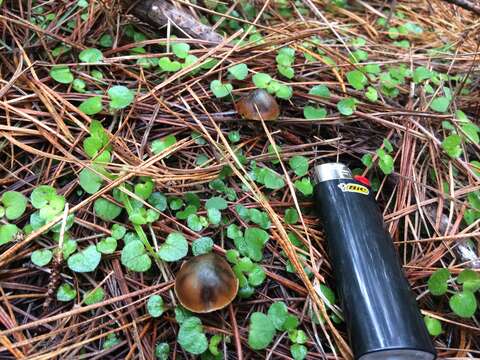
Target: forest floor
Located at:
point(122, 155)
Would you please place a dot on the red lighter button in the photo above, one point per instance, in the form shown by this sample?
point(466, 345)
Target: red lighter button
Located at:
point(362, 179)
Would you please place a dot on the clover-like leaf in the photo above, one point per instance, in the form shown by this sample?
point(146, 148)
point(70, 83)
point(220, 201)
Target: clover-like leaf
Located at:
point(66, 293)
point(92, 105)
point(106, 210)
point(174, 248)
point(155, 306)
point(14, 203)
point(277, 313)
point(85, 260)
point(219, 89)
point(134, 256)
point(41, 257)
point(90, 181)
point(304, 186)
point(93, 297)
point(90, 55)
point(312, 112)
point(120, 97)
point(464, 304)
point(299, 165)
point(191, 336)
point(107, 245)
point(261, 331)
point(438, 282)
point(61, 74)
point(239, 71)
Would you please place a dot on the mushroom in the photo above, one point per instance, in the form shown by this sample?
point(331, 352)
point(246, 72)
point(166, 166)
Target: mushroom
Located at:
point(206, 283)
point(257, 105)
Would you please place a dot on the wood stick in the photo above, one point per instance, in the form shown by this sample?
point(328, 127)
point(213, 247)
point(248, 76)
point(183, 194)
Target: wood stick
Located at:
point(160, 12)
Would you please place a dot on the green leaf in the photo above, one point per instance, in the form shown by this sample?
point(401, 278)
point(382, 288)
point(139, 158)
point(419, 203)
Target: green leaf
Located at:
point(304, 186)
point(162, 350)
point(298, 351)
point(91, 106)
point(464, 304)
point(191, 337)
point(61, 74)
point(327, 294)
point(291, 216)
point(298, 336)
point(256, 276)
point(421, 73)
point(261, 80)
point(90, 181)
point(284, 92)
point(174, 248)
point(41, 257)
point(107, 245)
point(202, 245)
point(158, 201)
point(216, 202)
point(79, 85)
point(255, 239)
point(196, 223)
point(110, 341)
point(470, 280)
point(277, 313)
point(86, 260)
point(144, 188)
point(357, 79)
point(214, 216)
point(259, 217)
point(239, 71)
point(41, 195)
point(120, 97)
point(261, 331)
point(371, 94)
point(440, 104)
point(134, 256)
point(347, 106)
point(438, 282)
point(106, 210)
point(91, 55)
point(290, 323)
point(385, 162)
point(320, 90)
point(93, 297)
point(452, 145)
point(66, 293)
point(299, 165)
point(273, 181)
point(155, 306)
point(180, 50)
point(97, 75)
point(168, 65)
point(471, 131)
point(106, 41)
point(286, 71)
point(219, 89)
point(118, 231)
point(161, 144)
point(14, 203)
point(367, 160)
point(313, 112)
point(434, 326)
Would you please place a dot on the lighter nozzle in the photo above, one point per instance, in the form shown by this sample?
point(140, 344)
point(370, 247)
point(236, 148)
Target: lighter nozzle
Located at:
point(331, 171)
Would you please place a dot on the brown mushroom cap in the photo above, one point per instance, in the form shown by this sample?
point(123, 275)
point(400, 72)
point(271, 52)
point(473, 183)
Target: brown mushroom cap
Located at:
point(206, 283)
point(257, 105)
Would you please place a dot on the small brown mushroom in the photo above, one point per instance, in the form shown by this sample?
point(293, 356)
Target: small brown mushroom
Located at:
point(206, 283)
point(257, 105)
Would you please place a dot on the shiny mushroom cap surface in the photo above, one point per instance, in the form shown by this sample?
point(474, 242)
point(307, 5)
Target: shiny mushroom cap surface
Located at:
point(257, 105)
point(206, 283)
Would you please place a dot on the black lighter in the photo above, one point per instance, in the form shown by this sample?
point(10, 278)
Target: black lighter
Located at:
point(380, 310)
